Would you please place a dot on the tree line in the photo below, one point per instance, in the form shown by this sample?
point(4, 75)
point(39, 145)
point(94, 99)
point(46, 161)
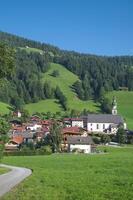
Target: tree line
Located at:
point(97, 74)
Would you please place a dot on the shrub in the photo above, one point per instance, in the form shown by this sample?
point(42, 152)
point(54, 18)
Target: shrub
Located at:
point(1, 151)
point(44, 150)
point(55, 73)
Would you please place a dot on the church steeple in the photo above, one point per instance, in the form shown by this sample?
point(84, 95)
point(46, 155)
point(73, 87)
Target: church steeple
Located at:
point(114, 106)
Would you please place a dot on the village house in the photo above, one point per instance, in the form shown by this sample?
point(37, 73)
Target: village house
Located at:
point(14, 143)
point(71, 122)
point(71, 131)
point(33, 127)
point(83, 144)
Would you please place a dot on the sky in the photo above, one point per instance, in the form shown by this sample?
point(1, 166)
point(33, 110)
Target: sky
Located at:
point(102, 27)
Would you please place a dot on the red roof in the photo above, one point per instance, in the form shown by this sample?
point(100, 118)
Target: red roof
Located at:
point(17, 139)
point(45, 122)
point(74, 129)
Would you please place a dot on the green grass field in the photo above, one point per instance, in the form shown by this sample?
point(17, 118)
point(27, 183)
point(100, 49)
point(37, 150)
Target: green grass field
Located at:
point(125, 105)
point(29, 50)
point(65, 81)
point(3, 170)
point(35, 50)
point(76, 177)
point(4, 108)
point(49, 105)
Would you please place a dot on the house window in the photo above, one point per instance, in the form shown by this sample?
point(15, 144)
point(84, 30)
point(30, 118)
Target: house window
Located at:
point(97, 126)
point(103, 126)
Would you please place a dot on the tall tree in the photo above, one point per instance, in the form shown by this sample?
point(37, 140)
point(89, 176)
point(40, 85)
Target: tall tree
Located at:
point(121, 136)
point(56, 136)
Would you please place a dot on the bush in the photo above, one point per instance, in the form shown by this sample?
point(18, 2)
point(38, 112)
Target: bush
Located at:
point(55, 73)
point(105, 150)
point(1, 151)
point(44, 150)
point(96, 140)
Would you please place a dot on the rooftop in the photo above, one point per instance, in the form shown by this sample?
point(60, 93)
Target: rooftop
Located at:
point(105, 118)
point(79, 140)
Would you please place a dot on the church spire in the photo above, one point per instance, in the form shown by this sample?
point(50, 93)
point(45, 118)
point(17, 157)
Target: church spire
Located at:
point(114, 106)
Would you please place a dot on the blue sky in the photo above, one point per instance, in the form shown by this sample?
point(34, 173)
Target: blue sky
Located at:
point(103, 27)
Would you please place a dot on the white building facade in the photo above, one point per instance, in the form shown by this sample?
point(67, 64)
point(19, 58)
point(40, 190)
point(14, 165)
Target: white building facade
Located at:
point(106, 123)
point(78, 122)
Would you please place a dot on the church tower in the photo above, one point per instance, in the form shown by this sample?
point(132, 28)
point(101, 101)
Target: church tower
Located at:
point(114, 106)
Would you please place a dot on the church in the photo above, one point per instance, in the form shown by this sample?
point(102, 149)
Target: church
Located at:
point(106, 123)
point(101, 123)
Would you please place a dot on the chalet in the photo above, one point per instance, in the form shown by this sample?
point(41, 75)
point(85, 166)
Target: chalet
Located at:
point(14, 143)
point(27, 135)
point(82, 144)
point(71, 131)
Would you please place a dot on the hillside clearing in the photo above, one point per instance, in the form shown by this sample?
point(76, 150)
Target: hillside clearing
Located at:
point(4, 108)
point(125, 105)
point(49, 105)
point(65, 80)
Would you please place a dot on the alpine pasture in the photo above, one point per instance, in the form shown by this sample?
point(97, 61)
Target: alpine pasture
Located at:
point(82, 177)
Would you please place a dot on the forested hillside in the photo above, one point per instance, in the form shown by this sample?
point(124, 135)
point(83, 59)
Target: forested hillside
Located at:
point(96, 74)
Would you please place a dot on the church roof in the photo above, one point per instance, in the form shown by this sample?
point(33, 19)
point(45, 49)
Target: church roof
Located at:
point(104, 118)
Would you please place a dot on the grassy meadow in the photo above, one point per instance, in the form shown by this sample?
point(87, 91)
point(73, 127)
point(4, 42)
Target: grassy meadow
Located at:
point(48, 105)
point(76, 177)
point(3, 170)
point(65, 81)
point(125, 105)
point(4, 108)
point(35, 50)
point(30, 49)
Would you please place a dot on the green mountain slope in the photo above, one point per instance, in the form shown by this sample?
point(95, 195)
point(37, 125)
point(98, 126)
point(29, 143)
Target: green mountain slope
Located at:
point(48, 105)
point(125, 105)
point(4, 108)
point(65, 81)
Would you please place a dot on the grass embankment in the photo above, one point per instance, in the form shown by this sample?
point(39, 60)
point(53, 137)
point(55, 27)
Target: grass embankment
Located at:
point(4, 108)
point(125, 105)
point(65, 81)
point(3, 170)
point(81, 177)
